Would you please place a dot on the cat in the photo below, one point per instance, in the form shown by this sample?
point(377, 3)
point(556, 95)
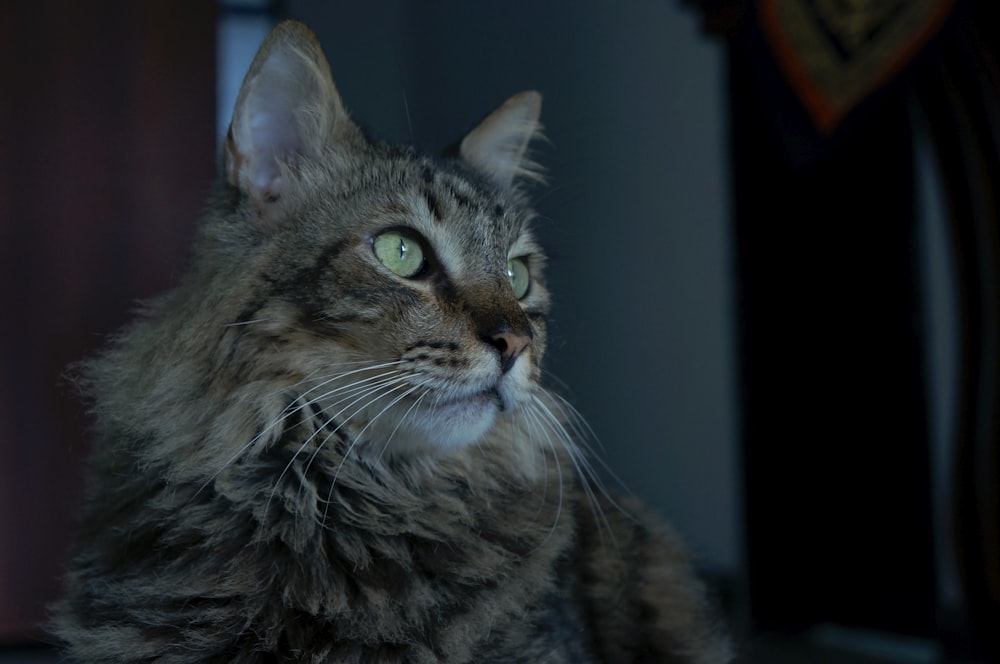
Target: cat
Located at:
point(330, 443)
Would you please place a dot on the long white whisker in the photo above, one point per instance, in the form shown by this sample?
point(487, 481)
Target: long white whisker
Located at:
point(380, 391)
point(288, 411)
point(585, 434)
point(360, 434)
point(248, 322)
point(531, 412)
point(399, 422)
point(328, 378)
point(584, 471)
point(381, 381)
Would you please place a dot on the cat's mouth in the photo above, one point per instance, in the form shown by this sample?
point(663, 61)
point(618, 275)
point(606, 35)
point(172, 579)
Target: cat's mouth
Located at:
point(481, 398)
point(447, 421)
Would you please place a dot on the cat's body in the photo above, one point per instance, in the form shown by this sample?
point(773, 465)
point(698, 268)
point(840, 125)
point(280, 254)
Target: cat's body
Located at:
point(329, 444)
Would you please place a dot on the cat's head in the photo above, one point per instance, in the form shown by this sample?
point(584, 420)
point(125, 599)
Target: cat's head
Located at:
point(403, 295)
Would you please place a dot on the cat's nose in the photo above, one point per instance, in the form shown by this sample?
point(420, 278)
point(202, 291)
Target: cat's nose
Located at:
point(509, 344)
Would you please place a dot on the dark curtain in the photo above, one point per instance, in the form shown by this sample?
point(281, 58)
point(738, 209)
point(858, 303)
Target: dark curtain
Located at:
point(836, 452)
point(837, 479)
point(107, 148)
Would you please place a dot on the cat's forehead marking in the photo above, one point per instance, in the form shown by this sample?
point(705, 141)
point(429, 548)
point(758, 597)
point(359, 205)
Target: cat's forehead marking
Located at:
point(446, 193)
point(433, 205)
point(449, 197)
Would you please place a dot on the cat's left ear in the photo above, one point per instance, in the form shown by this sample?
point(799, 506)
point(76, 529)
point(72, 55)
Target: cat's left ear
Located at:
point(498, 146)
point(288, 109)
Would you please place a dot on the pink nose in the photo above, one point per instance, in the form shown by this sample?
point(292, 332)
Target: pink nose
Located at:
point(510, 345)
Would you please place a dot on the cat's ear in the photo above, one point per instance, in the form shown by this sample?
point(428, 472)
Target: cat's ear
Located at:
point(498, 146)
point(288, 108)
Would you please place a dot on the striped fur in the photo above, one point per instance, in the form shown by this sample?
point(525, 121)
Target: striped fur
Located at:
point(301, 456)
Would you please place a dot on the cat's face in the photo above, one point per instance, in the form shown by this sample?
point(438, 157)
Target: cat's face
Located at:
point(405, 295)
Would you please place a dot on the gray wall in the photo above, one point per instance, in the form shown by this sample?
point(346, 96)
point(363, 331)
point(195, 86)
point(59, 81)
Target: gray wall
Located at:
point(634, 217)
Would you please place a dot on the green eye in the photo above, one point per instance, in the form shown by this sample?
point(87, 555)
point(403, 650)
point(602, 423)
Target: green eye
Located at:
point(400, 251)
point(520, 280)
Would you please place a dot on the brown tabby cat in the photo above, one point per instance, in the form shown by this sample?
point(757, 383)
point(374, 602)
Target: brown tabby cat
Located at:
point(329, 443)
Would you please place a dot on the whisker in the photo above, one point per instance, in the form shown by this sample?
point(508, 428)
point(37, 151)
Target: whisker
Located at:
point(288, 411)
point(588, 478)
point(381, 390)
point(385, 386)
point(357, 438)
point(538, 425)
point(248, 322)
point(580, 425)
point(360, 434)
point(350, 389)
point(585, 434)
point(328, 378)
point(399, 423)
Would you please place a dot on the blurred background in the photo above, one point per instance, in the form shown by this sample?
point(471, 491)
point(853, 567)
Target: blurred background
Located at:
point(774, 245)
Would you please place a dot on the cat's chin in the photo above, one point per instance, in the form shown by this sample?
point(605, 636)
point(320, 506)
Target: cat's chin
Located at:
point(441, 427)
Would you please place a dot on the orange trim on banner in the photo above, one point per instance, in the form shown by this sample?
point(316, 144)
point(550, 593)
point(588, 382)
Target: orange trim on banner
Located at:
point(823, 112)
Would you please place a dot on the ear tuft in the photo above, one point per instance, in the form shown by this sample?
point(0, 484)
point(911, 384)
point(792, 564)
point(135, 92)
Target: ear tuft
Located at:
point(498, 146)
point(288, 108)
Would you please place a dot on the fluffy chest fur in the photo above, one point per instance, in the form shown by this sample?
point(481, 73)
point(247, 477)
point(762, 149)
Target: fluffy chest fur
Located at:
point(381, 566)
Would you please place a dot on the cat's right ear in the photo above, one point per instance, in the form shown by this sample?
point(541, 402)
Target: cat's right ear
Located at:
point(288, 108)
point(498, 146)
